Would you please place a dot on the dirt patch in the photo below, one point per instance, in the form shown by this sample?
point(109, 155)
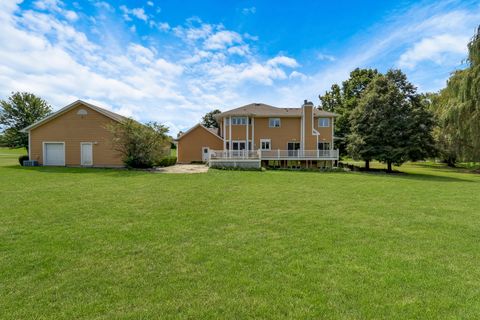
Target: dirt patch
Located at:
point(183, 168)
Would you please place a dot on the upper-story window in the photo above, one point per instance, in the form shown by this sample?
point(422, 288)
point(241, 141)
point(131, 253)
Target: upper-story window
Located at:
point(274, 122)
point(239, 121)
point(324, 122)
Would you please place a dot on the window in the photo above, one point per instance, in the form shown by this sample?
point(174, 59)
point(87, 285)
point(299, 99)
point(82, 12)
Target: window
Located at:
point(324, 146)
point(238, 145)
point(239, 121)
point(265, 144)
point(323, 122)
point(274, 122)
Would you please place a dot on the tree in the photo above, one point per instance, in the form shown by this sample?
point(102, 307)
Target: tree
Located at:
point(391, 123)
point(142, 145)
point(458, 108)
point(19, 111)
point(209, 120)
point(343, 100)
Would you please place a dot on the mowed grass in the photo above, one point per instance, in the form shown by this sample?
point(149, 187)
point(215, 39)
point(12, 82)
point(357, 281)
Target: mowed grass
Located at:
point(118, 244)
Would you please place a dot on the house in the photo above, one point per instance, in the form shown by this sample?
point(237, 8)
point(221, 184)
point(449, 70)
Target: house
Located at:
point(76, 135)
point(259, 134)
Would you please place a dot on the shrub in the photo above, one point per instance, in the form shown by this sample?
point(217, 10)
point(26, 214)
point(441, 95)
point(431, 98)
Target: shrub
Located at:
point(167, 161)
point(22, 158)
point(142, 145)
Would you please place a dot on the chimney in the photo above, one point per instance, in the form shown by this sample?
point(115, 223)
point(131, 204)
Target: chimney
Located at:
point(307, 103)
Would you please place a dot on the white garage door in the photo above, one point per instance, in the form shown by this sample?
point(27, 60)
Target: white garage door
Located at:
point(54, 154)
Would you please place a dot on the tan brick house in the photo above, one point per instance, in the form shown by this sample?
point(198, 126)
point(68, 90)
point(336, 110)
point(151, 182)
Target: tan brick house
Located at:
point(76, 135)
point(257, 134)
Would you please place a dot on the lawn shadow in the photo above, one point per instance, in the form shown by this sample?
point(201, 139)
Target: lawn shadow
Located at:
point(444, 168)
point(111, 172)
point(416, 176)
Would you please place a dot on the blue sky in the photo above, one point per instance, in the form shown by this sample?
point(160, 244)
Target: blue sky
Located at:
point(172, 61)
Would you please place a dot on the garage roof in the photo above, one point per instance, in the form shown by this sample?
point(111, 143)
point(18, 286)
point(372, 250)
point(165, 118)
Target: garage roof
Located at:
point(112, 115)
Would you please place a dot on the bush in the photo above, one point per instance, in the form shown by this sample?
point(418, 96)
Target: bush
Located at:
point(142, 145)
point(167, 161)
point(22, 158)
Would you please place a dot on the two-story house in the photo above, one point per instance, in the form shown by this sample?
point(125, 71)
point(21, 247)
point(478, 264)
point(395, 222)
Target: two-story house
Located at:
point(259, 134)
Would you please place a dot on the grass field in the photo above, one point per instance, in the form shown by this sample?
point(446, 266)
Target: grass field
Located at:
point(117, 244)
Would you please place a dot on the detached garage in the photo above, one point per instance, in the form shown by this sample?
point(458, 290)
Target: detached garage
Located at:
point(76, 135)
point(195, 144)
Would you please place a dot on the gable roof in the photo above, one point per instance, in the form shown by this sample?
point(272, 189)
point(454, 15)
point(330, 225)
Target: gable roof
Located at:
point(112, 115)
point(265, 110)
point(210, 130)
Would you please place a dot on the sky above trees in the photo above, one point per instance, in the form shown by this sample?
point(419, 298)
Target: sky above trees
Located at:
point(172, 61)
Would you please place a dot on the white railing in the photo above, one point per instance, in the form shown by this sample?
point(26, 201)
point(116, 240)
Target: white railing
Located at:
point(299, 154)
point(233, 154)
point(274, 154)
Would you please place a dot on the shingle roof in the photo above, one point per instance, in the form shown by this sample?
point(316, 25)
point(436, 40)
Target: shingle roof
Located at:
point(265, 110)
point(110, 114)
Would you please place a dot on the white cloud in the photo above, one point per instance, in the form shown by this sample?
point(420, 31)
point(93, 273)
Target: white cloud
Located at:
point(250, 10)
point(435, 49)
point(222, 39)
point(55, 6)
point(322, 56)
point(138, 13)
point(44, 53)
point(207, 66)
point(299, 75)
point(162, 26)
point(283, 60)
point(150, 3)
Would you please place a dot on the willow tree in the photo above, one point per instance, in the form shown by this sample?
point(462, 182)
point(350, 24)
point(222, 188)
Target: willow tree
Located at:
point(458, 107)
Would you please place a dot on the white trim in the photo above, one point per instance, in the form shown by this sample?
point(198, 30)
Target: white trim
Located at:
point(246, 144)
point(43, 151)
point(275, 118)
point(29, 146)
point(224, 133)
point(195, 126)
point(230, 133)
point(269, 144)
point(208, 154)
point(65, 109)
point(333, 126)
point(302, 137)
point(321, 118)
point(81, 153)
point(253, 133)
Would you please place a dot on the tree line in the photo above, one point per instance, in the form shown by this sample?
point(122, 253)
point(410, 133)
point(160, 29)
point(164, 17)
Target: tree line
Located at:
point(383, 117)
point(380, 117)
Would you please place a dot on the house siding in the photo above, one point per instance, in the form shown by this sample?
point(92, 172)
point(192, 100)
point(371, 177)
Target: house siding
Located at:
point(191, 144)
point(72, 129)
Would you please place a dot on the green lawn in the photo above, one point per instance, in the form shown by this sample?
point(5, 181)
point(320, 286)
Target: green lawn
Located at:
point(117, 244)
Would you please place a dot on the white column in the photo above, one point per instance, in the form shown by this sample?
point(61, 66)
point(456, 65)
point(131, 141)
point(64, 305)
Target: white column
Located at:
point(224, 133)
point(230, 134)
point(333, 123)
point(253, 133)
point(246, 143)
